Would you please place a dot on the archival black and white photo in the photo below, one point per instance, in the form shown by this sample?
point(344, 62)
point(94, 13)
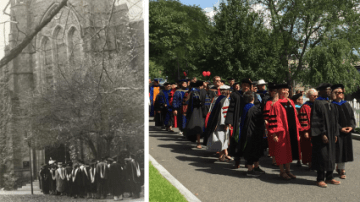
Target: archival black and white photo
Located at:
point(71, 100)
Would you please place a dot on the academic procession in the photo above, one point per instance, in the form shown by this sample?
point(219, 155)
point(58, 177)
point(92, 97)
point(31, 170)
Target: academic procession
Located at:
point(98, 179)
point(242, 121)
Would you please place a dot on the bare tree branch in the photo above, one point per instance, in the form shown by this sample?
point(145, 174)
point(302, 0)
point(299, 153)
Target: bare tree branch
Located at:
point(27, 40)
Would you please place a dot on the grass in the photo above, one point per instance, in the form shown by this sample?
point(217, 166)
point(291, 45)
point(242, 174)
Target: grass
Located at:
point(160, 189)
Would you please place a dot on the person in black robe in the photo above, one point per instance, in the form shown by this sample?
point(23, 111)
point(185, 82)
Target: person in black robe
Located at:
point(45, 179)
point(40, 177)
point(160, 108)
point(52, 186)
point(101, 177)
point(134, 173)
point(69, 182)
point(195, 113)
point(324, 133)
point(116, 180)
point(252, 130)
point(344, 148)
point(233, 119)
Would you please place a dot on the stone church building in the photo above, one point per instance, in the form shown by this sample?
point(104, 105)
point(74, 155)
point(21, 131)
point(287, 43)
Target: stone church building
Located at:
point(75, 34)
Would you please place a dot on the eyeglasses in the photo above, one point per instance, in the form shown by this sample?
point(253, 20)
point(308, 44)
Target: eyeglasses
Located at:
point(217, 80)
point(339, 93)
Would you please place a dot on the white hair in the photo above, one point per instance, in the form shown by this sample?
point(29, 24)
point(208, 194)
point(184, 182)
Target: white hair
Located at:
point(310, 92)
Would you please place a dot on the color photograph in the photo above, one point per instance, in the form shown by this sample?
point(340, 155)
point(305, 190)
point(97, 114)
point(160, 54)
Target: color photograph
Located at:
point(254, 100)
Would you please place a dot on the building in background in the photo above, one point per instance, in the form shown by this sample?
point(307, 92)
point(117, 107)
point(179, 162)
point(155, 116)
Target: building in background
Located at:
point(80, 32)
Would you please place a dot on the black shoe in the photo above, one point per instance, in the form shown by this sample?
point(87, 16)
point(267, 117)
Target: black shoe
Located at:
point(259, 170)
point(253, 173)
point(298, 164)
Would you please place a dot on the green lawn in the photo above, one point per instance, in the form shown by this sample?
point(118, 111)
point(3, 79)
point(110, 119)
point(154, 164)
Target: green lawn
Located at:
point(160, 189)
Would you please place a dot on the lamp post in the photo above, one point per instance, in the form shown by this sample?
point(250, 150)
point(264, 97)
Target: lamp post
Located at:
point(31, 172)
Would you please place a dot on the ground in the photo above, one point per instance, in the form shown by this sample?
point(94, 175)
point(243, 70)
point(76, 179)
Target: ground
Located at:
point(20, 196)
point(211, 180)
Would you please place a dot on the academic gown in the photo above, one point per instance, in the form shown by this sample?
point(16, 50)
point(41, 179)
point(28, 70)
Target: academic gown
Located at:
point(344, 147)
point(305, 143)
point(195, 115)
point(69, 182)
point(116, 177)
point(60, 180)
point(52, 181)
point(171, 100)
point(77, 181)
point(324, 120)
point(285, 124)
point(177, 105)
point(266, 115)
point(216, 137)
point(102, 176)
point(45, 177)
point(159, 106)
point(168, 119)
point(154, 90)
point(93, 180)
point(134, 173)
point(233, 118)
point(252, 132)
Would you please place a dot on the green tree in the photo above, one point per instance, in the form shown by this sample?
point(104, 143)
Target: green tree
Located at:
point(241, 45)
point(178, 36)
point(155, 70)
point(315, 41)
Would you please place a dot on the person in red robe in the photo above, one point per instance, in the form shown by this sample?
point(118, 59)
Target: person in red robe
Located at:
point(284, 126)
point(304, 118)
point(266, 112)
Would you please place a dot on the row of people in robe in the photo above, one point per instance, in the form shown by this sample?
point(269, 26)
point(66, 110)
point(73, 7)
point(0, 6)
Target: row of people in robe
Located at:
point(236, 122)
point(95, 180)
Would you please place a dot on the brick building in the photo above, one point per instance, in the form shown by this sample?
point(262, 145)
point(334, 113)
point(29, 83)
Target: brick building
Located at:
point(77, 33)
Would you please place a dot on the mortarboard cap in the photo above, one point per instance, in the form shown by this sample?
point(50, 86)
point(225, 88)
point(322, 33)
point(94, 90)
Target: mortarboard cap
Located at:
point(323, 86)
point(335, 86)
point(295, 97)
point(246, 81)
point(283, 85)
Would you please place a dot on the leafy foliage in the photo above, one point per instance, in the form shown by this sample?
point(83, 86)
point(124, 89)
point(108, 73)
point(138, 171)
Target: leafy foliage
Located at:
point(178, 36)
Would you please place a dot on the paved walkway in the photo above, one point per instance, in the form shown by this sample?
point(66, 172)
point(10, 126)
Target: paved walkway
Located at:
point(211, 180)
point(38, 196)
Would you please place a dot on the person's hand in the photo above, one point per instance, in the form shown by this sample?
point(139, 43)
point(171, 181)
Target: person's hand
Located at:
point(343, 130)
point(336, 139)
point(306, 135)
point(349, 129)
point(325, 139)
point(175, 112)
point(158, 112)
point(275, 138)
point(266, 122)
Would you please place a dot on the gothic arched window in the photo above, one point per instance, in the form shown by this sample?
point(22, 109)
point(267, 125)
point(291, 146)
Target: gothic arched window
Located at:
point(60, 47)
point(74, 46)
point(47, 60)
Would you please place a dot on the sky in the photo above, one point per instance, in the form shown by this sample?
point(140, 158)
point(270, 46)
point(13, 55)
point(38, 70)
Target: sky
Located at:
point(201, 3)
point(3, 18)
point(206, 5)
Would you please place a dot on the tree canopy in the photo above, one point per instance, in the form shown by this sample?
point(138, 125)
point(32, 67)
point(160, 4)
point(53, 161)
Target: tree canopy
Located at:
point(288, 41)
point(178, 36)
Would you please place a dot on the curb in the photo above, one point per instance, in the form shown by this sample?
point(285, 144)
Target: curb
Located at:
point(182, 189)
point(355, 136)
